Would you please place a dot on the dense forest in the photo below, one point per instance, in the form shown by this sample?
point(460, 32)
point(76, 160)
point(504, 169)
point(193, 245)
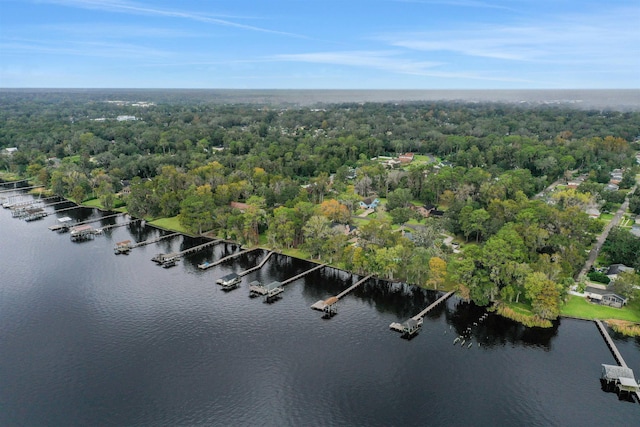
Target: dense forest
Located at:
point(295, 178)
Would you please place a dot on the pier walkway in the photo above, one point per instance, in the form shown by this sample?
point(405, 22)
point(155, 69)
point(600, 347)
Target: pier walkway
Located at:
point(304, 273)
point(614, 349)
point(418, 317)
point(197, 248)
point(154, 240)
point(21, 188)
point(208, 264)
point(65, 209)
point(257, 267)
point(122, 224)
point(14, 182)
point(611, 344)
point(57, 203)
point(328, 304)
point(89, 221)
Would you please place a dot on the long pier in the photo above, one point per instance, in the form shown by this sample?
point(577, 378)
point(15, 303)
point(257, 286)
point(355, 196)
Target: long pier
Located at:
point(352, 287)
point(613, 348)
point(89, 221)
point(418, 317)
point(65, 209)
point(122, 224)
point(304, 273)
point(14, 182)
point(21, 188)
point(197, 248)
point(207, 264)
point(611, 344)
point(328, 305)
point(154, 240)
point(57, 203)
point(257, 267)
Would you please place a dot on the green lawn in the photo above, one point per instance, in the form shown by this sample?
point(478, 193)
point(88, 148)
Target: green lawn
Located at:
point(579, 307)
point(606, 217)
point(93, 203)
point(170, 224)
point(9, 176)
point(419, 158)
point(519, 307)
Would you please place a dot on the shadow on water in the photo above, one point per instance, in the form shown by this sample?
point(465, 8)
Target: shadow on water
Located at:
point(398, 298)
point(470, 320)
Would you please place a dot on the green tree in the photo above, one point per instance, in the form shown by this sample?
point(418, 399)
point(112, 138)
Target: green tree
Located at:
point(544, 295)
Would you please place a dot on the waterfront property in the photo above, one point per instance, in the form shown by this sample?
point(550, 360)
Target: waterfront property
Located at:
point(229, 281)
point(34, 214)
point(166, 260)
point(269, 291)
point(82, 232)
point(123, 247)
point(620, 379)
point(412, 326)
point(62, 226)
point(329, 305)
point(604, 297)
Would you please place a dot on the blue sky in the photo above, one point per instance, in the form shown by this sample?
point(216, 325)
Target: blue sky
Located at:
point(320, 44)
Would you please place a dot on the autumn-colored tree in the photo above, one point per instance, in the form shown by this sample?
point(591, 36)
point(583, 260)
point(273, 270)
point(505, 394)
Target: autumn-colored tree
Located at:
point(437, 272)
point(335, 211)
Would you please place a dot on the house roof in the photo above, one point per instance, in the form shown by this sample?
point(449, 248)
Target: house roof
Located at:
point(603, 292)
point(273, 285)
point(229, 276)
point(617, 269)
point(410, 324)
point(615, 372)
point(239, 205)
point(331, 300)
point(629, 383)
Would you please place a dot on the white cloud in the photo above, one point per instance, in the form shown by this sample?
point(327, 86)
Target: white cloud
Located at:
point(391, 61)
point(612, 37)
point(81, 48)
point(133, 8)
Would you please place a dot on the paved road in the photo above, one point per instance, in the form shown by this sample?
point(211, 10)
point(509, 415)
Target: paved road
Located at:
point(603, 236)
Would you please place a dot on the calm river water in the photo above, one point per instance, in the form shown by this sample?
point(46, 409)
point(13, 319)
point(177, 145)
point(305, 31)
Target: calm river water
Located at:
point(90, 338)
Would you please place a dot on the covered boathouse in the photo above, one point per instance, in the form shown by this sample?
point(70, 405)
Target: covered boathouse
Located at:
point(619, 378)
point(269, 291)
point(230, 281)
point(82, 232)
point(411, 327)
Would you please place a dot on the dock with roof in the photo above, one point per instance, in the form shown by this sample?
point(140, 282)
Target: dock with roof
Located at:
point(411, 327)
point(269, 291)
point(329, 306)
point(617, 378)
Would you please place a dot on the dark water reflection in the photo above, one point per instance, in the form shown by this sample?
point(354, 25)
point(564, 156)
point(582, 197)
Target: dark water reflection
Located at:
point(90, 338)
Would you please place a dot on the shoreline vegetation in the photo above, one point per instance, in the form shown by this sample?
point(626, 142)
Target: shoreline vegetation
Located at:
point(625, 321)
point(500, 202)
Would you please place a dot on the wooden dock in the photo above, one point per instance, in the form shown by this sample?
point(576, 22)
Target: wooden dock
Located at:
point(611, 344)
point(89, 221)
point(65, 209)
point(432, 306)
point(197, 248)
point(614, 349)
point(269, 292)
point(122, 224)
point(328, 305)
point(402, 327)
point(257, 267)
point(21, 188)
point(304, 273)
point(208, 264)
point(154, 240)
